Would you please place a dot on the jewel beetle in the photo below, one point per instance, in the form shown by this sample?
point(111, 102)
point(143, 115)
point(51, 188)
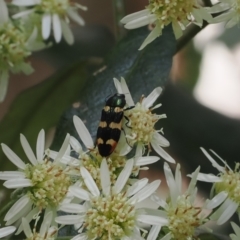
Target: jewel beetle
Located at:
point(109, 129)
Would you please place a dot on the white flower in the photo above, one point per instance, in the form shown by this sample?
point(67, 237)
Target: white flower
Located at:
point(236, 228)
point(43, 183)
point(13, 50)
point(91, 159)
point(226, 189)
point(140, 123)
point(113, 212)
point(5, 231)
point(230, 12)
point(183, 216)
point(46, 232)
point(179, 13)
point(54, 14)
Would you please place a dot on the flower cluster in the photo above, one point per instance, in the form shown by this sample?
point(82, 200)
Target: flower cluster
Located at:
point(101, 195)
point(53, 13)
point(160, 13)
point(14, 49)
point(230, 12)
point(19, 34)
point(180, 13)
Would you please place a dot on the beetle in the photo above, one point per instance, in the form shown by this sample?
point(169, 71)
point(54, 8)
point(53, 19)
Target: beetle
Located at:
point(110, 126)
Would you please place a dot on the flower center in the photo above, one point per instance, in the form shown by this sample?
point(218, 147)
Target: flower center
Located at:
point(12, 47)
point(111, 217)
point(183, 218)
point(141, 124)
point(50, 184)
point(168, 11)
point(53, 6)
point(230, 183)
point(92, 162)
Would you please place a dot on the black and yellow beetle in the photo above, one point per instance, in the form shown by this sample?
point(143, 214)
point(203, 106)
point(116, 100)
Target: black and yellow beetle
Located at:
point(110, 126)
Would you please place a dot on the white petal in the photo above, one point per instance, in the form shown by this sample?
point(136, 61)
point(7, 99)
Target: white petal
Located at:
point(224, 162)
point(73, 208)
point(79, 193)
point(3, 83)
point(198, 17)
point(90, 183)
point(161, 152)
point(153, 233)
point(160, 140)
point(214, 163)
point(84, 8)
point(8, 175)
point(105, 177)
point(83, 132)
point(193, 181)
point(75, 17)
point(178, 177)
point(224, 17)
point(139, 150)
point(5, 231)
point(3, 12)
point(207, 177)
point(123, 147)
point(28, 214)
point(13, 157)
point(26, 228)
point(152, 97)
point(46, 223)
point(140, 22)
point(135, 15)
point(167, 236)
point(219, 7)
point(69, 219)
point(40, 146)
point(137, 186)
point(118, 85)
point(17, 183)
point(173, 188)
point(123, 177)
point(57, 29)
point(217, 200)
point(158, 201)
point(77, 147)
point(145, 192)
point(81, 236)
point(146, 160)
point(24, 2)
point(67, 33)
point(152, 220)
point(177, 29)
point(156, 32)
point(127, 93)
point(236, 228)
point(23, 13)
point(64, 147)
point(28, 150)
point(46, 25)
point(205, 14)
point(231, 208)
point(17, 207)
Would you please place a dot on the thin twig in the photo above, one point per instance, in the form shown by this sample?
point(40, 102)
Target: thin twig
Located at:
point(189, 34)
